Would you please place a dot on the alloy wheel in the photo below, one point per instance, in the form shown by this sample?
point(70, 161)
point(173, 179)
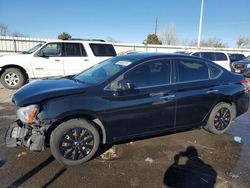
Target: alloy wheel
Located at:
point(222, 119)
point(76, 143)
point(11, 79)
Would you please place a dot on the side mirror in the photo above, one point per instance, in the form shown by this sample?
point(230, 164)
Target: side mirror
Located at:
point(40, 54)
point(125, 85)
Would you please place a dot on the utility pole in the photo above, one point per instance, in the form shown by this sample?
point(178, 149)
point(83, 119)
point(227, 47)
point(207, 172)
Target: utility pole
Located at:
point(200, 26)
point(156, 25)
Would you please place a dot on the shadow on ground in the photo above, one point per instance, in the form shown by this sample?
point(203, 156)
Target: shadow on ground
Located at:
point(193, 174)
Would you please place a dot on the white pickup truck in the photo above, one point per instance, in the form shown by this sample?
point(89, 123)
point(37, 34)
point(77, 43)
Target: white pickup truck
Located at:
point(53, 58)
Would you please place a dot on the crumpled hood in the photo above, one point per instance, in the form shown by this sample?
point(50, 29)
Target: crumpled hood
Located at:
point(40, 90)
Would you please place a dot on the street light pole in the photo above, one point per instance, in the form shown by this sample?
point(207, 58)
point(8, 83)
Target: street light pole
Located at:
point(200, 26)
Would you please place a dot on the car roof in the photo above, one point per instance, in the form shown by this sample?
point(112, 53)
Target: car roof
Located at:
point(143, 56)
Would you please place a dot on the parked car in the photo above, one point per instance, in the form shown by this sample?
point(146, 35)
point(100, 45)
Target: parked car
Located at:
point(221, 58)
point(236, 57)
point(54, 58)
point(124, 98)
point(242, 66)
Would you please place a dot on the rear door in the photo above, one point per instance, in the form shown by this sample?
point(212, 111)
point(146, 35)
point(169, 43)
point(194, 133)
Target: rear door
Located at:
point(196, 91)
point(75, 58)
point(149, 107)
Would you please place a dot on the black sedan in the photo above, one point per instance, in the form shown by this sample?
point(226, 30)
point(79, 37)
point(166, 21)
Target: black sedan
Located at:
point(242, 66)
point(124, 98)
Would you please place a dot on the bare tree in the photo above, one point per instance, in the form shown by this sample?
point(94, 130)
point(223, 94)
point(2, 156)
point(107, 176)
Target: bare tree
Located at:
point(243, 42)
point(18, 34)
point(168, 35)
point(111, 39)
point(215, 42)
point(3, 29)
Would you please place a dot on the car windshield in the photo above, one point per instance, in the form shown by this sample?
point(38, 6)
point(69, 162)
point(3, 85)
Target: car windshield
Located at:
point(247, 58)
point(104, 70)
point(31, 50)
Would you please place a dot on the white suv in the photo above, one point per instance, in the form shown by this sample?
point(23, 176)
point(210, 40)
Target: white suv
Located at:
point(54, 58)
point(221, 58)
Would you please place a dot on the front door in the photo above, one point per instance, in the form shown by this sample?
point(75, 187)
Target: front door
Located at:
point(147, 108)
point(48, 61)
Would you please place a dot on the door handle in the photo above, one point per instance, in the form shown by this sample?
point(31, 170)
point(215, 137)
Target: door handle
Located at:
point(168, 97)
point(156, 94)
point(39, 68)
point(86, 60)
point(212, 91)
point(57, 60)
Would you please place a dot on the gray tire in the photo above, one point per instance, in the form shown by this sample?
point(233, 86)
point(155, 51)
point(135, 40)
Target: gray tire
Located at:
point(13, 78)
point(74, 142)
point(221, 118)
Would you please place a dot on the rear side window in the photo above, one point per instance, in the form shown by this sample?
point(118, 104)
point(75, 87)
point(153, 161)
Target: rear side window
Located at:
point(220, 56)
point(74, 50)
point(213, 71)
point(208, 55)
point(102, 49)
point(190, 70)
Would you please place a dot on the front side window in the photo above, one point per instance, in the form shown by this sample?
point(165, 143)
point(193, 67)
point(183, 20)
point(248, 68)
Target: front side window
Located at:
point(74, 50)
point(52, 50)
point(102, 49)
point(190, 70)
point(197, 54)
point(152, 73)
point(220, 56)
point(208, 55)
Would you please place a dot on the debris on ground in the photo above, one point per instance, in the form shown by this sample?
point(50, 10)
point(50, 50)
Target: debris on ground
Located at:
point(21, 154)
point(238, 139)
point(149, 160)
point(232, 175)
point(110, 154)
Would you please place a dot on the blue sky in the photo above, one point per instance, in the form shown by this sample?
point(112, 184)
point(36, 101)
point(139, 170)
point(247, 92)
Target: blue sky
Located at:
point(129, 21)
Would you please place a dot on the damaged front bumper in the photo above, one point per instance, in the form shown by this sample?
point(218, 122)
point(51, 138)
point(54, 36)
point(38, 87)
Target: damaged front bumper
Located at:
point(19, 134)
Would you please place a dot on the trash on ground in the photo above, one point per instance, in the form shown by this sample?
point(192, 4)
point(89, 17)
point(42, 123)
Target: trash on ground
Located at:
point(110, 154)
point(21, 154)
point(232, 175)
point(149, 160)
point(238, 139)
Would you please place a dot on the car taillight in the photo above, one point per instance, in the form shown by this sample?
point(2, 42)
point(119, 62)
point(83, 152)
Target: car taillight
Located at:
point(246, 84)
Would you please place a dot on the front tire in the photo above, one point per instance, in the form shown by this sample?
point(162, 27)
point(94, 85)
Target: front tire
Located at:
point(13, 78)
point(221, 118)
point(74, 142)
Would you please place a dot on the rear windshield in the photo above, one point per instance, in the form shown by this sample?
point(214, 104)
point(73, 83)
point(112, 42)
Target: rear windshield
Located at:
point(102, 49)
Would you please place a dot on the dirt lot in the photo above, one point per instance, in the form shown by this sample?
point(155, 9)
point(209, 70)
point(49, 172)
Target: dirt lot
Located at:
point(136, 164)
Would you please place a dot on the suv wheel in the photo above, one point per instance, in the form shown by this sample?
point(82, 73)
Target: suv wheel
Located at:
point(13, 78)
point(74, 142)
point(220, 118)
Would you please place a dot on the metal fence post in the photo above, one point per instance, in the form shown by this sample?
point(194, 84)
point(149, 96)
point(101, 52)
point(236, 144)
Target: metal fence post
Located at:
point(14, 44)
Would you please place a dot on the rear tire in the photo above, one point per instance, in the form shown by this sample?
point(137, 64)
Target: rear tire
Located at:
point(74, 142)
point(221, 118)
point(13, 78)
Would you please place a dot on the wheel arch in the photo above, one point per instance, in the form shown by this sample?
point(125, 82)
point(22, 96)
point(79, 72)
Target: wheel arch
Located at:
point(93, 120)
point(22, 69)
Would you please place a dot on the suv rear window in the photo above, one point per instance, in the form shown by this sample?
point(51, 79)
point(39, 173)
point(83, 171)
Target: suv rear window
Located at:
point(102, 49)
